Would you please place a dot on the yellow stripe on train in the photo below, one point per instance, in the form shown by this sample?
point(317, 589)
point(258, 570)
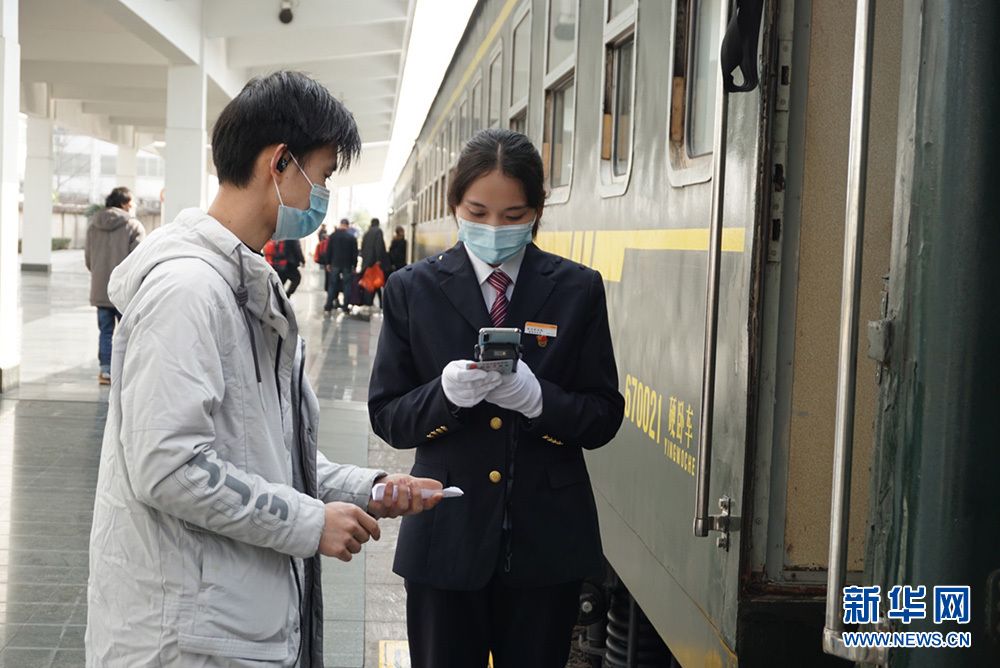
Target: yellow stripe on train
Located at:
point(604, 250)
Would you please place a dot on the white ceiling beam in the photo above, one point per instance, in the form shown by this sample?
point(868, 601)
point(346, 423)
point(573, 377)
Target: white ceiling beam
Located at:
point(363, 115)
point(307, 45)
point(131, 76)
point(411, 8)
point(108, 93)
point(36, 100)
point(137, 121)
point(366, 170)
point(231, 18)
point(133, 109)
point(375, 66)
point(362, 108)
point(69, 115)
point(74, 45)
point(379, 132)
point(359, 89)
point(228, 81)
point(173, 28)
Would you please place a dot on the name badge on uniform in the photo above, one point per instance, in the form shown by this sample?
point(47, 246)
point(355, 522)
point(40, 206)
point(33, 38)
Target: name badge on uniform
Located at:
point(542, 331)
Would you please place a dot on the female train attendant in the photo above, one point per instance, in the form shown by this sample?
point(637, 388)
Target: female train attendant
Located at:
point(499, 569)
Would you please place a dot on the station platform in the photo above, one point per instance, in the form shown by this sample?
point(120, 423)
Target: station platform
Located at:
point(51, 429)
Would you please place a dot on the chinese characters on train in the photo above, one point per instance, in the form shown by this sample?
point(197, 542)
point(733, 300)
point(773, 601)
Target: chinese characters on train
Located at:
point(673, 430)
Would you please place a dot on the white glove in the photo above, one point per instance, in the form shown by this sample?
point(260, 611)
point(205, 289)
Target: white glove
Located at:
point(518, 391)
point(467, 387)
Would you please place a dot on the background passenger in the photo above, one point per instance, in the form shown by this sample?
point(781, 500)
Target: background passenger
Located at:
point(342, 258)
point(113, 234)
point(397, 249)
point(373, 252)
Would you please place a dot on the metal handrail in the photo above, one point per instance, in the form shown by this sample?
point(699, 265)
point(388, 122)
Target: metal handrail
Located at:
point(854, 223)
point(703, 522)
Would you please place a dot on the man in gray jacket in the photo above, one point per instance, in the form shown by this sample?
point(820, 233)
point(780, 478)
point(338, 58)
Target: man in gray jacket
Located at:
point(113, 234)
point(213, 505)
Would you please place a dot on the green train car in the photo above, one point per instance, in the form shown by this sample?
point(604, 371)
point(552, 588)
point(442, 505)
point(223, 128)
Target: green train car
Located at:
point(900, 410)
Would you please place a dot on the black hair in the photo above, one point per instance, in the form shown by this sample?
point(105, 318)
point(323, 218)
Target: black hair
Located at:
point(344, 221)
point(400, 230)
point(506, 151)
point(118, 198)
point(281, 108)
point(375, 222)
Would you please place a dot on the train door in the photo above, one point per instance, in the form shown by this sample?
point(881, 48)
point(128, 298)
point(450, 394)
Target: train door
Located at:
point(785, 560)
point(646, 484)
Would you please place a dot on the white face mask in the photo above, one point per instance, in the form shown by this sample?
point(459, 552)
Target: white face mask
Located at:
point(493, 244)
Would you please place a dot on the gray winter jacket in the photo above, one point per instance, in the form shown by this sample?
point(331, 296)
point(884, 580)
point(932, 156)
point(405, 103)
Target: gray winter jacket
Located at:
point(111, 236)
point(210, 495)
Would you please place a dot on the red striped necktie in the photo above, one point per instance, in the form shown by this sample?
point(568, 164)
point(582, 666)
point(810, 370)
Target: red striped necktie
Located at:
point(500, 281)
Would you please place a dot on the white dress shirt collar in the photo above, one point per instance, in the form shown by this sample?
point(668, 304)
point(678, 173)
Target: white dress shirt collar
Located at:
point(511, 266)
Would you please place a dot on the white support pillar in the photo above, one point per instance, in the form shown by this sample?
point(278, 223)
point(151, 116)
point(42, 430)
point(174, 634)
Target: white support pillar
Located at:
point(186, 137)
point(96, 196)
point(36, 245)
point(125, 167)
point(10, 276)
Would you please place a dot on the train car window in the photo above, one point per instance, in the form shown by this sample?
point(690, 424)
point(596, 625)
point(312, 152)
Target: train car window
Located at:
point(693, 91)
point(453, 125)
point(624, 55)
point(443, 204)
point(439, 154)
point(476, 108)
point(450, 153)
point(495, 83)
point(702, 87)
point(434, 199)
point(519, 123)
point(520, 70)
point(557, 147)
point(463, 124)
point(618, 97)
point(616, 7)
point(562, 19)
point(559, 121)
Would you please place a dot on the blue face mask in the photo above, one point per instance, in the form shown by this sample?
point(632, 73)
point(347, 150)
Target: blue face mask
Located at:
point(493, 244)
point(298, 223)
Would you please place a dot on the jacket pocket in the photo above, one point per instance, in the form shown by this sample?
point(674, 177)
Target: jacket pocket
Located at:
point(243, 608)
point(566, 473)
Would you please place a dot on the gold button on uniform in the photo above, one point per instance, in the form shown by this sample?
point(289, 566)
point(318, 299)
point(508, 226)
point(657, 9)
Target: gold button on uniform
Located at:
point(495, 424)
point(495, 475)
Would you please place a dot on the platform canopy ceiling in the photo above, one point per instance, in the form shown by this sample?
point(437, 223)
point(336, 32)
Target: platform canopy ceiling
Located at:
point(99, 67)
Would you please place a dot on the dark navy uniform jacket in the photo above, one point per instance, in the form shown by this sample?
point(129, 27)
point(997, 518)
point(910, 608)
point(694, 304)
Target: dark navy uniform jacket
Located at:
point(530, 473)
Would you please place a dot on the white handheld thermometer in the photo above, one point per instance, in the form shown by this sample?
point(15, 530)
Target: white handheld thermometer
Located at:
point(378, 492)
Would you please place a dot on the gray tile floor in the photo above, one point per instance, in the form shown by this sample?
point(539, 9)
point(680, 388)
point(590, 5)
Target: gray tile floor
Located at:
point(50, 436)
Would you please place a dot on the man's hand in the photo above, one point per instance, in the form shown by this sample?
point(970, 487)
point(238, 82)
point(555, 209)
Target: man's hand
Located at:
point(409, 500)
point(345, 530)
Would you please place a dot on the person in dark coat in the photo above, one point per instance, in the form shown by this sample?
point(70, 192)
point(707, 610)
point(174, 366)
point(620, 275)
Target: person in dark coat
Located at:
point(500, 569)
point(373, 252)
point(289, 259)
point(111, 236)
point(341, 260)
point(397, 249)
